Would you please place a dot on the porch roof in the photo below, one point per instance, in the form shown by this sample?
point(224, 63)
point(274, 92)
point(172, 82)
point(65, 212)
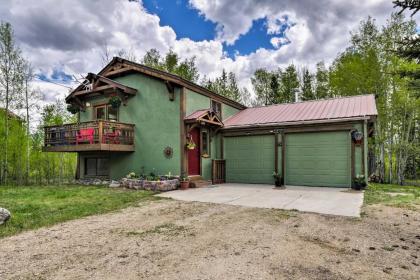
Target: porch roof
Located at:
point(95, 84)
point(204, 115)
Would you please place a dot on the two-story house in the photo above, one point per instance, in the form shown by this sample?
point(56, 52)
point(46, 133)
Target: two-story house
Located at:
point(166, 124)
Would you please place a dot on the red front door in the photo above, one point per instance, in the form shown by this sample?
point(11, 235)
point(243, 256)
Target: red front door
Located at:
point(194, 155)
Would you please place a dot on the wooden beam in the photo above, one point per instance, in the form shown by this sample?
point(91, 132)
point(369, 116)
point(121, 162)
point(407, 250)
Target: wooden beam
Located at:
point(192, 126)
point(97, 89)
point(122, 95)
point(319, 128)
point(126, 89)
point(365, 149)
point(352, 155)
point(171, 90)
point(283, 158)
point(80, 103)
point(90, 147)
point(118, 71)
point(183, 135)
point(276, 152)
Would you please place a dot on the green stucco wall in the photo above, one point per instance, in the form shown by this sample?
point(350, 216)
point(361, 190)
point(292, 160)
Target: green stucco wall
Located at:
point(196, 101)
point(228, 111)
point(157, 126)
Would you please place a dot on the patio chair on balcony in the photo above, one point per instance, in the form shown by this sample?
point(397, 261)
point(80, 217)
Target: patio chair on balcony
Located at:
point(85, 135)
point(112, 137)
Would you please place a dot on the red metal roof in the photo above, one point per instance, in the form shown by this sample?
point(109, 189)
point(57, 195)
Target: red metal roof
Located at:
point(308, 111)
point(196, 114)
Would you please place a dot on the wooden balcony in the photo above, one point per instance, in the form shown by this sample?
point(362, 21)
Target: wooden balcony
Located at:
point(89, 136)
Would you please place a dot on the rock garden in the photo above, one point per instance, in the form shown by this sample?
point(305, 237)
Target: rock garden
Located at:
point(151, 182)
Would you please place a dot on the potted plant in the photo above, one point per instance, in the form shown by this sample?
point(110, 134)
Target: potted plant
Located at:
point(131, 175)
point(277, 179)
point(359, 183)
point(184, 182)
point(190, 144)
point(73, 108)
point(115, 101)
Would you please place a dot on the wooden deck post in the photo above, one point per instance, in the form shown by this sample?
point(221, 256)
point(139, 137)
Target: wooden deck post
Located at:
point(100, 131)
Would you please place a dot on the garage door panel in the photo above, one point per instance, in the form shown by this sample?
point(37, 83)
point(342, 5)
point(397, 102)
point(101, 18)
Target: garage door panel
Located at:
point(318, 159)
point(249, 159)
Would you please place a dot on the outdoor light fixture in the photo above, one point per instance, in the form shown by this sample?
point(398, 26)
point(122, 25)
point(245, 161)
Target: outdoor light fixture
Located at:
point(87, 104)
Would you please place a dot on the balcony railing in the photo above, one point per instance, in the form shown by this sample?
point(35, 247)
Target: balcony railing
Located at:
point(89, 136)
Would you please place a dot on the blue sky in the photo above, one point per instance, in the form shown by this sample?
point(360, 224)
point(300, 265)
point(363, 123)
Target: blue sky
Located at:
point(187, 22)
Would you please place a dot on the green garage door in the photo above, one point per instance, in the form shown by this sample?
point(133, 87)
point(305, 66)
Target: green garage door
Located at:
point(249, 159)
point(318, 159)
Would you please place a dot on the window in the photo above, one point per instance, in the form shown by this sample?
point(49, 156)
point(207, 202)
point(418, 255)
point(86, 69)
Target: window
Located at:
point(96, 167)
point(205, 143)
point(217, 108)
point(100, 112)
point(112, 114)
point(106, 112)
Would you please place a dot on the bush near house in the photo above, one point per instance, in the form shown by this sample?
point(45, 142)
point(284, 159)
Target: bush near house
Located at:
point(35, 207)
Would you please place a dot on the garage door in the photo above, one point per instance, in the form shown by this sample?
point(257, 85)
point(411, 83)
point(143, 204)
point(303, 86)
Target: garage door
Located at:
point(318, 159)
point(249, 159)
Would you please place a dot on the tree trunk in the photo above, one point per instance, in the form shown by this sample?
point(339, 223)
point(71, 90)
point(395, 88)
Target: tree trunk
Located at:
point(6, 130)
point(380, 167)
point(28, 152)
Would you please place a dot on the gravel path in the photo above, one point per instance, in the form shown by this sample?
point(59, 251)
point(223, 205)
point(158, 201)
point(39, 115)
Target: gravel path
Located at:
point(190, 240)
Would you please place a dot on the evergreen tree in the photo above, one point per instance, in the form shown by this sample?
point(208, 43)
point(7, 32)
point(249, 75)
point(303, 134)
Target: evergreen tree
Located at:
point(261, 81)
point(274, 87)
point(321, 81)
point(409, 47)
point(172, 64)
point(307, 86)
point(233, 89)
point(152, 59)
point(225, 85)
point(289, 85)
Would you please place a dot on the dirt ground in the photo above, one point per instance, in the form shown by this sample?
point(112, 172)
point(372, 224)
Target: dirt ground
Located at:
point(184, 240)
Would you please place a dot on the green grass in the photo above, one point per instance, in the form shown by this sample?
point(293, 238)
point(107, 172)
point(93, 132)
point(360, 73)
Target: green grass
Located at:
point(35, 207)
point(379, 194)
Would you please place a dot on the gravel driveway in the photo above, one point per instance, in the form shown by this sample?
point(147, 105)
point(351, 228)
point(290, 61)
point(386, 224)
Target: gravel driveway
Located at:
point(169, 239)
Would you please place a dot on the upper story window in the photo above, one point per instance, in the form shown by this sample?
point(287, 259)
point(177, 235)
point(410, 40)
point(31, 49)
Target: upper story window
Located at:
point(217, 108)
point(106, 112)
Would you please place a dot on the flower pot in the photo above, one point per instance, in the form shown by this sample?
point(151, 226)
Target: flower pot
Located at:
point(185, 185)
point(359, 186)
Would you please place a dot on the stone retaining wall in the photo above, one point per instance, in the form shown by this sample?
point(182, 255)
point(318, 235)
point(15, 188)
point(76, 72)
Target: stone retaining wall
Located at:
point(138, 184)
